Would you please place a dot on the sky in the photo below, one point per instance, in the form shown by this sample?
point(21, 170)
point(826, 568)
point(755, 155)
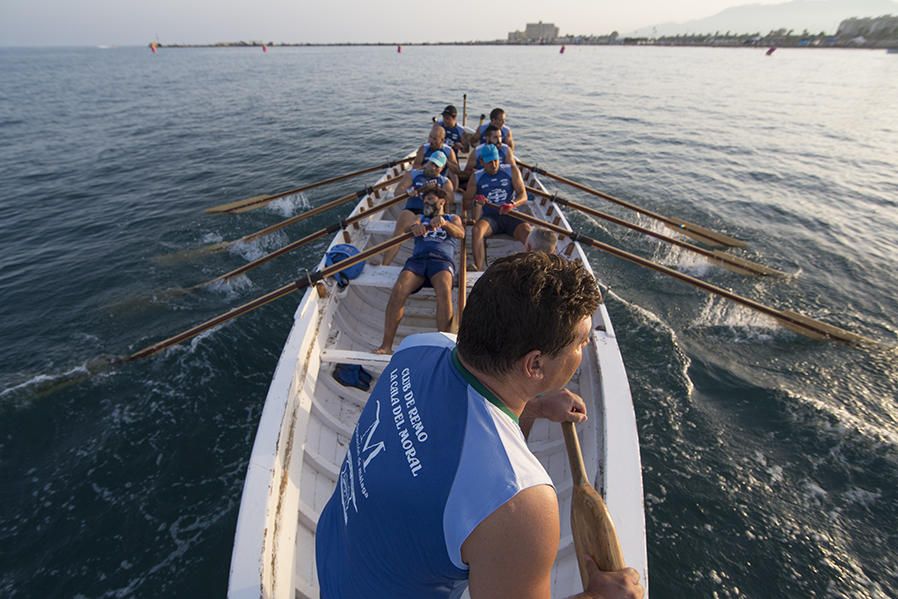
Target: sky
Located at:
point(136, 22)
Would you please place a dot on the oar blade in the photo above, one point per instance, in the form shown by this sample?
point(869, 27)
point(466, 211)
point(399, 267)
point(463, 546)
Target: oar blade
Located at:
point(191, 253)
point(704, 235)
point(243, 205)
point(593, 532)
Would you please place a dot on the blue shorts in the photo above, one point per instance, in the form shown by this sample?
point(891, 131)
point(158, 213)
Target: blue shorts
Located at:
point(427, 267)
point(500, 223)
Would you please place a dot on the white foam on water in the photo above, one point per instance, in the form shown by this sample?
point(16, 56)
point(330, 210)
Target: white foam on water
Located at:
point(212, 238)
point(41, 380)
point(862, 497)
point(683, 260)
point(746, 325)
point(256, 248)
point(289, 205)
point(232, 286)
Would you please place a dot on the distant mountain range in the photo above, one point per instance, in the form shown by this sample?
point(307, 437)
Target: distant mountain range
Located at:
point(813, 15)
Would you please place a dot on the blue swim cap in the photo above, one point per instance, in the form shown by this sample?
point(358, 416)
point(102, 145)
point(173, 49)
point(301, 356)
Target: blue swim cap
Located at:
point(488, 153)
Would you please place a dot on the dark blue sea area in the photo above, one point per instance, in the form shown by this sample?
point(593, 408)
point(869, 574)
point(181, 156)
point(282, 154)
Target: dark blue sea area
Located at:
point(770, 460)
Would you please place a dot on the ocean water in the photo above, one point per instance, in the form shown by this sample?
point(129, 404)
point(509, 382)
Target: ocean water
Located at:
point(770, 460)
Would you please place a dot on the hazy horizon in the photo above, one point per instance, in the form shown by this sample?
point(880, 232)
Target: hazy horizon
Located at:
point(104, 22)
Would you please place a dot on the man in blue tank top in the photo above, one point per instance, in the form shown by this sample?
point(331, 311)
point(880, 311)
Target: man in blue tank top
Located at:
point(438, 489)
point(432, 263)
point(497, 120)
point(436, 143)
point(455, 133)
point(499, 189)
point(414, 183)
point(475, 161)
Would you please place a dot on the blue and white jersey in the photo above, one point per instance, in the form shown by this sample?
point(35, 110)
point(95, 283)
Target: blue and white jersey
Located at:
point(437, 243)
point(504, 132)
point(447, 150)
point(454, 135)
point(497, 188)
point(503, 154)
point(434, 454)
point(419, 180)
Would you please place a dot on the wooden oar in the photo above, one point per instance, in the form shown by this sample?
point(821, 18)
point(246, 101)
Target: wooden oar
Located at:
point(792, 320)
point(591, 524)
point(258, 201)
point(299, 285)
point(462, 271)
point(307, 239)
point(733, 263)
point(693, 230)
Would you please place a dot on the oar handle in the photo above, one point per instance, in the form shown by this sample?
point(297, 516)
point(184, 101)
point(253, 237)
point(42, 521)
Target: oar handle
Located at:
point(298, 285)
point(574, 454)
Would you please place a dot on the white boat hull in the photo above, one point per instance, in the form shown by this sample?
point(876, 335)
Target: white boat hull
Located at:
point(308, 418)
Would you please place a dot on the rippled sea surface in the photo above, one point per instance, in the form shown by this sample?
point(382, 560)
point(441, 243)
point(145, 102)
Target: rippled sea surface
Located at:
point(770, 460)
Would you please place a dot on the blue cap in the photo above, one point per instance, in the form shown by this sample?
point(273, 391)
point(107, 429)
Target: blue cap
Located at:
point(489, 152)
point(438, 158)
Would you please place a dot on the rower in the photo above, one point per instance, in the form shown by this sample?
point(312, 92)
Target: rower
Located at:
point(497, 119)
point(541, 240)
point(499, 188)
point(455, 133)
point(436, 141)
point(438, 489)
point(418, 179)
point(493, 137)
point(432, 264)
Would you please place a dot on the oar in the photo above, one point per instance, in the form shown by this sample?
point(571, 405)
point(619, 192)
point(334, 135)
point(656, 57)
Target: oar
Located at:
point(258, 201)
point(307, 239)
point(591, 524)
point(693, 230)
point(462, 271)
point(223, 245)
point(733, 263)
point(792, 320)
point(299, 285)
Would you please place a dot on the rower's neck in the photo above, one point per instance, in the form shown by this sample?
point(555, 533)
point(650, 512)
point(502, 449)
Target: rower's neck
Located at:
point(508, 389)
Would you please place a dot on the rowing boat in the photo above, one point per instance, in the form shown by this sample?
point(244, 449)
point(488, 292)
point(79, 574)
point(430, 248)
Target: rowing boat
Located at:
point(309, 417)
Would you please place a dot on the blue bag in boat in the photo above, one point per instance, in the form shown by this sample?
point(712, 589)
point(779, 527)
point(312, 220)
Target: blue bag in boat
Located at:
point(339, 252)
point(353, 375)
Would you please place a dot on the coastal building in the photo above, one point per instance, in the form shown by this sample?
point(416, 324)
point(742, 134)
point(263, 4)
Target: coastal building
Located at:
point(535, 33)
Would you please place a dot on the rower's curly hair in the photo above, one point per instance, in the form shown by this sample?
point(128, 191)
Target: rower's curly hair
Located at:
point(524, 302)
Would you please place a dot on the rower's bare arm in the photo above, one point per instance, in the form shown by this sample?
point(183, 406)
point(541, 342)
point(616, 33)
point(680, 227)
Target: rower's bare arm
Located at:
point(510, 554)
point(453, 162)
point(509, 141)
point(454, 227)
point(404, 183)
point(419, 158)
point(472, 160)
point(470, 191)
point(509, 157)
point(517, 181)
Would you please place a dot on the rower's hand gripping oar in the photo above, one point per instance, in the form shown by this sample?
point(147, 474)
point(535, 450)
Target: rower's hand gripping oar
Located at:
point(794, 321)
point(733, 263)
point(697, 232)
point(258, 201)
point(299, 285)
point(591, 525)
